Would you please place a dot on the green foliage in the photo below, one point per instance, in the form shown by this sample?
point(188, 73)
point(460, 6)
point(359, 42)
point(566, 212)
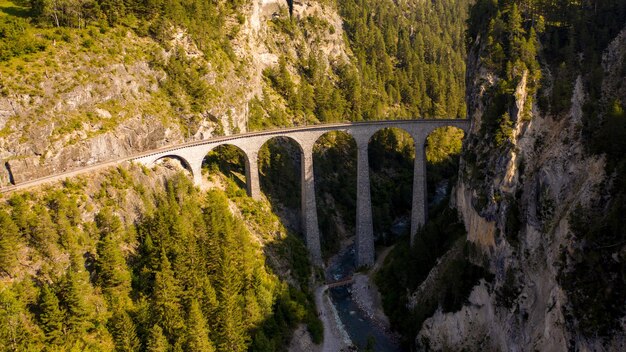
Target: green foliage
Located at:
point(66, 12)
point(230, 161)
point(187, 276)
point(156, 340)
point(405, 67)
point(124, 333)
point(443, 149)
point(16, 38)
point(50, 316)
point(504, 133)
point(9, 243)
point(188, 91)
point(18, 331)
point(112, 272)
point(198, 333)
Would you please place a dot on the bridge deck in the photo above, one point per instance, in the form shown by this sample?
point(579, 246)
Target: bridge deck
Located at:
point(339, 283)
point(277, 131)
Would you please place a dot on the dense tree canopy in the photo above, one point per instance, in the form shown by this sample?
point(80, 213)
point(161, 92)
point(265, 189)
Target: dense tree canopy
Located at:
point(187, 276)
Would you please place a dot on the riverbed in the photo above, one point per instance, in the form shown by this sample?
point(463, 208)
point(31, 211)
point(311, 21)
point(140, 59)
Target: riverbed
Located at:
point(360, 312)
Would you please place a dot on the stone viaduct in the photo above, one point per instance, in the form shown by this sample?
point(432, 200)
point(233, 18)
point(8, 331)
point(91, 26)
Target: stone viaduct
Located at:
point(192, 155)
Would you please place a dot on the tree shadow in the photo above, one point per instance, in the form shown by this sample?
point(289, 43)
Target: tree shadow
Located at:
point(17, 8)
point(391, 153)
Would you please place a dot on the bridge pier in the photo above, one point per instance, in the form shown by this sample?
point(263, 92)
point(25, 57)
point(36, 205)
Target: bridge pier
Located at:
point(197, 177)
point(309, 206)
point(364, 224)
point(306, 137)
point(252, 175)
point(419, 204)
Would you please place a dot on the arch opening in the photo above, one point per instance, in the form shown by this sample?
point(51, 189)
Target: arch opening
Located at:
point(391, 153)
point(335, 170)
point(229, 161)
point(443, 150)
point(175, 162)
point(280, 160)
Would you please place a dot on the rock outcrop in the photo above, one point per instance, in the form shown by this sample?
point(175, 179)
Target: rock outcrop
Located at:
point(518, 216)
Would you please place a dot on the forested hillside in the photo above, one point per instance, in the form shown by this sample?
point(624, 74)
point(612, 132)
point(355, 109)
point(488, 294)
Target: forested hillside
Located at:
point(186, 274)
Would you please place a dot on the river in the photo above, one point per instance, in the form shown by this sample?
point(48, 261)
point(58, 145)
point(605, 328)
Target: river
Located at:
point(360, 325)
point(363, 328)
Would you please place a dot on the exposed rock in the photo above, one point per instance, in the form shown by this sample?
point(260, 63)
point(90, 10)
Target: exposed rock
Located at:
point(544, 174)
point(301, 341)
point(479, 230)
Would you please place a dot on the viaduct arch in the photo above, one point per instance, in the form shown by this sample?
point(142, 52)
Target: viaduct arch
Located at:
point(192, 154)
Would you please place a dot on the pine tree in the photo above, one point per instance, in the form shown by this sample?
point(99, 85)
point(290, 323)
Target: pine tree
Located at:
point(17, 331)
point(9, 243)
point(124, 333)
point(166, 300)
point(75, 293)
point(51, 316)
point(230, 325)
point(197, 330)
point(157, 342)
point(113, 274)
point(43, 234)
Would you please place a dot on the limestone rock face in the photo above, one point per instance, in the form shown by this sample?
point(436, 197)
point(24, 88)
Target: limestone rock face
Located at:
point(544, 174)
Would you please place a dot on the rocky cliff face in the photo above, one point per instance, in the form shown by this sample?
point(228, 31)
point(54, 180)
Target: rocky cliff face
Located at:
point(84, 101)
point(518, 213)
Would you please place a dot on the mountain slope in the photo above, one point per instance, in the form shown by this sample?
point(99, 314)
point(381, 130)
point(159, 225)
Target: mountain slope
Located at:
point(83, 84)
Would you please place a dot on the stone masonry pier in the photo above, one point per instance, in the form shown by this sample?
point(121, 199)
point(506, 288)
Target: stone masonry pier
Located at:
point(192, 155)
